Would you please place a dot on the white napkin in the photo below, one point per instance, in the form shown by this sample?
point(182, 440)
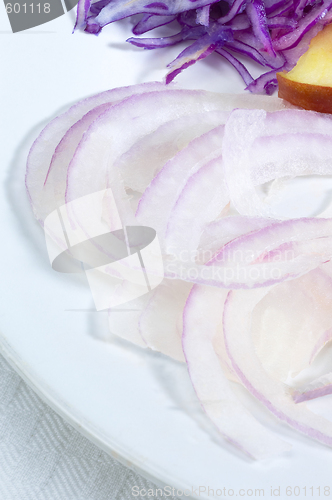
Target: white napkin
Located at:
point(43, 458)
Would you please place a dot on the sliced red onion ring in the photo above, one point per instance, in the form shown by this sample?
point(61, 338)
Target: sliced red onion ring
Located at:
point(191, 176)
point(53, 148)
point(98, 149)
point(285, 339)
point(296, 239)
point(259, 147)
point(271, 393)
point(202, 317)
point(282, 251)
point(222, 231)
point(160, 197)
point(54, 188)
point(42, 151)
point(279, 252)
point(104, 141)
point(201, 201)
point(323, 339)
point(162, 144)
point(160, 323)
point(322, 386)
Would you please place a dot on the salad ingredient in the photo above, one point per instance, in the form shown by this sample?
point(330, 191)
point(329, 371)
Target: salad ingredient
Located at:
point(261, 147)
point(104, 142)
point(249, 261)
point(54, 147)
point(163, 144)
point(245, 362)
point(309, 83)
point(160, 322)
point(178, 172)
point(162, 198)
point(322, 386)
point(202, 316)
point(273, 34)
point(286, 340)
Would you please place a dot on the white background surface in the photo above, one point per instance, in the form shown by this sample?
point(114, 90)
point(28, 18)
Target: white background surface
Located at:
point(134, 404)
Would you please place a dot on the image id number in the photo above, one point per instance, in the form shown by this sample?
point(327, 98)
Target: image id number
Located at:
point(38, 8)
point(310, 492)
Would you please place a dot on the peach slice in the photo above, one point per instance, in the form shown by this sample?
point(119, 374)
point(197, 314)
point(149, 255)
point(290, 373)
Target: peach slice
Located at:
point(309, 83)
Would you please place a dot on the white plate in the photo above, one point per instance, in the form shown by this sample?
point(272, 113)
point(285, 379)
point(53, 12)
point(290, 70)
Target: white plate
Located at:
point(136, 405)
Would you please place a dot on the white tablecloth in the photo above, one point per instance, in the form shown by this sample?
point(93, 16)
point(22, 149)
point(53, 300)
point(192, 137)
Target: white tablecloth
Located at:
point(43, 458)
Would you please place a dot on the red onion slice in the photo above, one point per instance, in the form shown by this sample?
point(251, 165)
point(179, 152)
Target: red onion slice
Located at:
point(202, 317)
point(54, 188)
point(43, 148)
point(271, 393)
point(160, 323)
point(201, 201)
point(162, 145)
point(159, 199)
point(92, 167)
point(279, 252)
point(260, 146)
point(323, 339)
point(189, 174)
point(322, 386)
point(222, 231)
point(44, 155)
point(286, 339)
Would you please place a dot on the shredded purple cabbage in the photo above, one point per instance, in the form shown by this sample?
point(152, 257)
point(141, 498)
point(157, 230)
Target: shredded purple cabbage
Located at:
point(274, 33)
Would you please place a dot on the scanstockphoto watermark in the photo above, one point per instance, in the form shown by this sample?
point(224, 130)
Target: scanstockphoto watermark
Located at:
point(273, 491)
point(229, 267)
point(121, 262)
point(226, 275)
point(200, 492)
point(225, 256)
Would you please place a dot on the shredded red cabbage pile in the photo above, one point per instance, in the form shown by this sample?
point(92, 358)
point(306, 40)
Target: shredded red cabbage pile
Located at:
point(273, 33)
